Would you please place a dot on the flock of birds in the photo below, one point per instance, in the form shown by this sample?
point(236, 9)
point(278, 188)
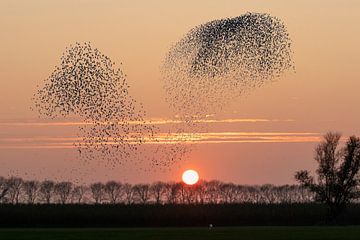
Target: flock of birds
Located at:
point(220, 60)
point(87, 85)
point(210, 66)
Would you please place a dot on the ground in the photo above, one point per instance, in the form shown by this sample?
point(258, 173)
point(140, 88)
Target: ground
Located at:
point(241, 233)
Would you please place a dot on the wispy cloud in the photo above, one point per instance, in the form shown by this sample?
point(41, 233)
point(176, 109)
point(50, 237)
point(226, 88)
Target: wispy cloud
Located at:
point(38, 142)
point(172, 138)
point(148, 122)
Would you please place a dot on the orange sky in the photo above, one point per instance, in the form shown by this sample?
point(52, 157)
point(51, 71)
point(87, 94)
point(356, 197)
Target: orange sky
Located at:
point(289, 114)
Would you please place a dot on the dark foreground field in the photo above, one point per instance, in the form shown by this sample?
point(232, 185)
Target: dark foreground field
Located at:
point(242, 233)
point(125, 216)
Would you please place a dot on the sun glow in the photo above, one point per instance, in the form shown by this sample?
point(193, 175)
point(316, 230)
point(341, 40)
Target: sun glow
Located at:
point(190, 177)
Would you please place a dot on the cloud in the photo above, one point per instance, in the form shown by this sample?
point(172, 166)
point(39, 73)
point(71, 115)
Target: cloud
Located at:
point(173, 138)
point(156, 121)
point(221, 137)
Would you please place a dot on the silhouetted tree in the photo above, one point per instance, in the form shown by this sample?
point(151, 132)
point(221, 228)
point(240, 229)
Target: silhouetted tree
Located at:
point(63, 191)
point(97, 192)
point(269, 193)
point(201, 192)
point(337, 173)
point(78, 193)
point(14, 184)
point(46, 190)
point(171, 192)
point(189, 193)
point(113, 191)
point(142, 192)
point(228, 192)
point(128, 193)
point(212, 191)
point(3, 189)
point(31, 189)
point(157, 190)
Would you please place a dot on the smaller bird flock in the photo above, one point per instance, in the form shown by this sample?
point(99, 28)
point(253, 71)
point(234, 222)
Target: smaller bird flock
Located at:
point(86, 84)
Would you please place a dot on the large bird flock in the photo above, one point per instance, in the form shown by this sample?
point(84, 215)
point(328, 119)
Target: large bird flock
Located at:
point(220, 60)
point(213, 64)
point(217, 62)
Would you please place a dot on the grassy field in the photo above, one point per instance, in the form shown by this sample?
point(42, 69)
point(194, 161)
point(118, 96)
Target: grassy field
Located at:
point(153, 216)
point(241, 233)
point(123, 216)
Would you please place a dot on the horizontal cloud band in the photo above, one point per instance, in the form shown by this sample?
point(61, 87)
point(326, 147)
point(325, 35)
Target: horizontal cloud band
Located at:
point(164, 138)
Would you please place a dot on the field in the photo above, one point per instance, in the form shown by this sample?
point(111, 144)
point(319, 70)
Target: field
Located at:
point(171, 222)
point(153, 216)
point(242, 233)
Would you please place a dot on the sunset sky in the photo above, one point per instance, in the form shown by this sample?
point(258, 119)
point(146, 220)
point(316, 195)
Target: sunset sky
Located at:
point(264, 137)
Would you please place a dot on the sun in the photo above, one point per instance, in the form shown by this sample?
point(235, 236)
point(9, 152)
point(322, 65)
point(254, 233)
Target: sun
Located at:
point(190, 177)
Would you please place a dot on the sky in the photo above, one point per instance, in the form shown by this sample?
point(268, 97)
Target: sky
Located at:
point(263, 137)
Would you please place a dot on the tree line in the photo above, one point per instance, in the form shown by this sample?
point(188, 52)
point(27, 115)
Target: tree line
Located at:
point(15, 190)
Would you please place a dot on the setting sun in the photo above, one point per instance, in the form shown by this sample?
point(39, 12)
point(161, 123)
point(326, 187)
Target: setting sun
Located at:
point(190, 177)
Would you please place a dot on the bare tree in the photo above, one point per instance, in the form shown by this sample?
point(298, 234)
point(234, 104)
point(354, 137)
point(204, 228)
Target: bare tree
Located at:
point(157, 190)
point(31, 189)
point(228, 192)
point(212, 191)
point(128, 193)
point(189, 192)
point(142, 192)
point(113, 191)
point(47, 190)
point(78, 193)
point(337, 173)
point(3, 189)
point(285, 193)
point(201, 192)
point(171, 192)
point(14, 184)
point(97, 191)
point(269, 193)
point(63, 191)
point(304, 195)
